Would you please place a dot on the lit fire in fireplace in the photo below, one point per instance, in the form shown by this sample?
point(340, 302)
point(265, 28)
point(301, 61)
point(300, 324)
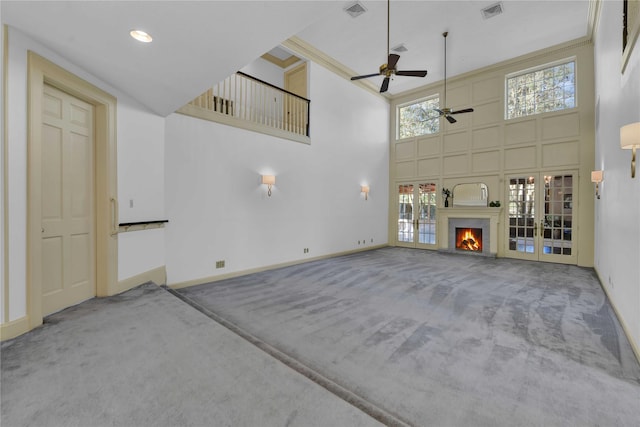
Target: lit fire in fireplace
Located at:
point(469, 239)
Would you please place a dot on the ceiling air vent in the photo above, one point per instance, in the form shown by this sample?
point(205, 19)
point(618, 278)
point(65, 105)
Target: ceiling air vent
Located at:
point(493, 10)
point(355, 10)
point(400, 48)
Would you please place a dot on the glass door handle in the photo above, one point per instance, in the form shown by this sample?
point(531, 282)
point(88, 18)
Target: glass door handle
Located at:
point(535, 229)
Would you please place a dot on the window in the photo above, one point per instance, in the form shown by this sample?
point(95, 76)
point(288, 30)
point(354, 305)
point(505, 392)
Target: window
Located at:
point(546, 89)
point(419, 118)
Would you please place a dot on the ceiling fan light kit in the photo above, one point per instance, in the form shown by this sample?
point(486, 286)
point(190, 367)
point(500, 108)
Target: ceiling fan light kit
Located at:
point(389, 69)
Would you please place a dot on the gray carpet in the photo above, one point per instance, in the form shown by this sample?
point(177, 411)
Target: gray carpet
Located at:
point(145, 358)
point(446, 340)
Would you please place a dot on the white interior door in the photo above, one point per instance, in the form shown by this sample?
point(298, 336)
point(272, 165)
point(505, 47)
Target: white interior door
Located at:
point(68, 217)
point(541, 217)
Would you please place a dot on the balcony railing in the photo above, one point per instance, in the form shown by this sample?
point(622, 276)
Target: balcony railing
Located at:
point(252, 100)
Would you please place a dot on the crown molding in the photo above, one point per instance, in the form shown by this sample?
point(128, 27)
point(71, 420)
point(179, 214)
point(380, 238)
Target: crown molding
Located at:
point(310, 52)
point(282, 63)
point(595, 7)
point(523, 59)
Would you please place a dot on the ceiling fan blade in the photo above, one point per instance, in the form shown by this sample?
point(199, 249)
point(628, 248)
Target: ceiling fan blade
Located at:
point(366, 76)
point(392, 61)
point(385, 85)
point(450, 119)
point(415, 73)
point(466, 110)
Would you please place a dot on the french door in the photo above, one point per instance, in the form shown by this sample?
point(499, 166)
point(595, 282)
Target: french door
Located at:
point(541, 217)
point(416, 214)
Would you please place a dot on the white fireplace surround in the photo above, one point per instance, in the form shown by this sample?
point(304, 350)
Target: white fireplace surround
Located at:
point(469, 217)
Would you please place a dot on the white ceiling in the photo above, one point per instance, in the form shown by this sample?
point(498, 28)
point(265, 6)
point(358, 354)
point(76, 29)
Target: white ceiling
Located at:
point(201, 42)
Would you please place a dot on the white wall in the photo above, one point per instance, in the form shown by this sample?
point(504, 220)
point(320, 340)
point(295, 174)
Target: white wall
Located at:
point(265, 71)
point(2, 192)
point(617, 228)
point(218, 210)
point(140, 137)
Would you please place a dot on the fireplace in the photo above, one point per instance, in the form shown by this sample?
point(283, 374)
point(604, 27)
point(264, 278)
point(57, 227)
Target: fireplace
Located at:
point(470, 236)
point(468, 239)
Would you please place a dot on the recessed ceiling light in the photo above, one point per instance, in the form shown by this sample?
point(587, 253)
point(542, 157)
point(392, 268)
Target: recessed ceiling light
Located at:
point(141, 36)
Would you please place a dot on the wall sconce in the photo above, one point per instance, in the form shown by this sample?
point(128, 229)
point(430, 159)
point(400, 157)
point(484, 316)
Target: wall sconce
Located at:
point(597, 176)
point(630, 140)
point(270, 180)
point(365, 189)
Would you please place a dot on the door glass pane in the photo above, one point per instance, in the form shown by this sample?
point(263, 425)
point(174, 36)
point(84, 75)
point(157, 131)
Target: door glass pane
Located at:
point(522, 214)
point(558, 214)
point(405, 213)
point(427, 214)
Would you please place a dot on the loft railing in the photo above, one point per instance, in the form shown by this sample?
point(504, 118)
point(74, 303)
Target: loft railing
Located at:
point(250, 99)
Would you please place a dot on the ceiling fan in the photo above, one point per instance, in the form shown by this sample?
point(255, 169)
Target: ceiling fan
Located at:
point(446, 111)
point(389, 69)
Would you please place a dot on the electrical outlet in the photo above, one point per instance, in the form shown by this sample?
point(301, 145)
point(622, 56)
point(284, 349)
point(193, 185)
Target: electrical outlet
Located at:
point(358, 241)
point(372, 240)
point(130, 203)
point(220, 264)
point(305, 250)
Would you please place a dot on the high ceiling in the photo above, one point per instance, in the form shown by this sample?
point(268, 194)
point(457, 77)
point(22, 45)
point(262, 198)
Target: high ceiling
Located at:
point(201, 42)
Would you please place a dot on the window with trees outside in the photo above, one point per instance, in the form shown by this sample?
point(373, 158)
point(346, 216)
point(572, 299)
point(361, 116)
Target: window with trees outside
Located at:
point(549, 88)
point(419, 118)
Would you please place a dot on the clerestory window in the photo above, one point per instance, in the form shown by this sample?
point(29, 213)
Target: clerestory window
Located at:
point(419, 118)
point(548, 88)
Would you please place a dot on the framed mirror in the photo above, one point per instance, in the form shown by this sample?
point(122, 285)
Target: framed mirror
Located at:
point(472, 194)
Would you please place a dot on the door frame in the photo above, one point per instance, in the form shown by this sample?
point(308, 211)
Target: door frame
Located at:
point(416, 194)
point(539, 254)
point(41, 72)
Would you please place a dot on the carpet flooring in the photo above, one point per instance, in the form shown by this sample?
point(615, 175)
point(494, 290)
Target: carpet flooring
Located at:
point(147, 359)
point(443, 339)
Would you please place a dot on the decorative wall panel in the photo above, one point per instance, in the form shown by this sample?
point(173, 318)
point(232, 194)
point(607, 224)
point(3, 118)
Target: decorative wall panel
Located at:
point(405, 150)
point(520, 158)
point(429, 167)
point(560, 154)
point(520, 132)
point(561, 126)
point(486, 138)
point(456, 142)
point(406, 169)
point(457, 97)
point(485, 162)
point(428, 146)
point(487, 114)
point(488, 89)
point(456, 165)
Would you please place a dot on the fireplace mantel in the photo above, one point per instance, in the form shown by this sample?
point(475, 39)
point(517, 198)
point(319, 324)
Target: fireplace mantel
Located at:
point(492, 214)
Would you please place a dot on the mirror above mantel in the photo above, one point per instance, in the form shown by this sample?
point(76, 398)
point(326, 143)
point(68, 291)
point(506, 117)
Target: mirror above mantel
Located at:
point(470, 194)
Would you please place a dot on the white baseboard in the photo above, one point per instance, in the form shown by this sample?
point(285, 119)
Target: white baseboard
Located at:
point(157, 276)
point(634, 345)
point(217, 278)
point(14, 328)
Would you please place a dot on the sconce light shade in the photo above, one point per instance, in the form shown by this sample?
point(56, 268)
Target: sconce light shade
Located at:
point(630, 140)
point(596, 176)
point(269, 180)
point(365, 189)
